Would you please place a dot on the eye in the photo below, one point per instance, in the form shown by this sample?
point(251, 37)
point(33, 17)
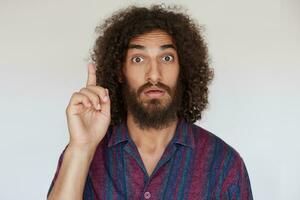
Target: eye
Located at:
point(137, 59)
point(168, 58)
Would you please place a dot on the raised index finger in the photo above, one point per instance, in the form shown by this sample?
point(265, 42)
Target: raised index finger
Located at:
point(91, 75)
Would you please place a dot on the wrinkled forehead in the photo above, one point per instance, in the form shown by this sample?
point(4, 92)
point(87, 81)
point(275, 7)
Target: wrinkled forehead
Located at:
point(155, 38)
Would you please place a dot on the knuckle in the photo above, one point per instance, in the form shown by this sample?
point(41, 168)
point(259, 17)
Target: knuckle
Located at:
point(85, 98)
point(97, 88)
point(93, 96)
point(96, 92)
point(86, 92)
point(82, 89)
point(67, 109)
point(95, 100)
point(74, 94)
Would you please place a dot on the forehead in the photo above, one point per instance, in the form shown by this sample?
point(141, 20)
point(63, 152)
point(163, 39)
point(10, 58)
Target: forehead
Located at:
point(152, 38)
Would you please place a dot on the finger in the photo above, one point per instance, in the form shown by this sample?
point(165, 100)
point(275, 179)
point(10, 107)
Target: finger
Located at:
point(91, 75)
point(106, 105)
point(100, 91)
point(93, 97)
point(104, 97)
point(78, 98)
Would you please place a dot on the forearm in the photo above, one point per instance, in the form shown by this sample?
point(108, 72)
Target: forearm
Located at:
point(72, 175)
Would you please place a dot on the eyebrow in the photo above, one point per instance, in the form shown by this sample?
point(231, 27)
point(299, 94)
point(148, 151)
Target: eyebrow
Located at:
point(163, 47)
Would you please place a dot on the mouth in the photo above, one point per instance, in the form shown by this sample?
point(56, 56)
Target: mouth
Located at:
point(154, 92)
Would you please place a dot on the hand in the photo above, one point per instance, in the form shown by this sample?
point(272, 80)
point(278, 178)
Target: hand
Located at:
point(88, 113)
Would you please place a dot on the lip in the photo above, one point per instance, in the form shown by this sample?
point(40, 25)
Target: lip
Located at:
point(153, 89)
point(154, 92)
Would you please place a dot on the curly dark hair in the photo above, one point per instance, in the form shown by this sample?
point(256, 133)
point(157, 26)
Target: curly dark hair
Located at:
point(110, 50)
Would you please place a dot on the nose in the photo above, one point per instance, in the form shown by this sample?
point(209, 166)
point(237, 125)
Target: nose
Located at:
point(153, 72)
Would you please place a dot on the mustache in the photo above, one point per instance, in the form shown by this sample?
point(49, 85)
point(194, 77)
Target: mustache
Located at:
point(159, 85)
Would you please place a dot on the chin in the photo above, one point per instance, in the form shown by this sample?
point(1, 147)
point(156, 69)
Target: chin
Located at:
point(155, 105)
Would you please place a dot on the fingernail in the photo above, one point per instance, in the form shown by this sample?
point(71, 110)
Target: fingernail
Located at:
point(105, 98)
point(107, 92)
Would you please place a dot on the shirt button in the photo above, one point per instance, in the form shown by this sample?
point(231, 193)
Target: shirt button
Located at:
point(147, 195)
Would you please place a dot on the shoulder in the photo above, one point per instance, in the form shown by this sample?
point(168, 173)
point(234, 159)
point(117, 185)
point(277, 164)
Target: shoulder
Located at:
point(223, 164)
point(217, 148)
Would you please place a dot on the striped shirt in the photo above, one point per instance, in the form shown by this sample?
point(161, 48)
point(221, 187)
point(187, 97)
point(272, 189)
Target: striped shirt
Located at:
point(196, 164)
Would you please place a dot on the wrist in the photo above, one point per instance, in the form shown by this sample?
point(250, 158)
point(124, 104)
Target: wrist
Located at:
point(81, 151)
point(86, 147)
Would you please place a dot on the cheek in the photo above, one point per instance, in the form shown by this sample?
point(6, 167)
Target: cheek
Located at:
point(172, 76)
point(132, 75)
point(134, 82)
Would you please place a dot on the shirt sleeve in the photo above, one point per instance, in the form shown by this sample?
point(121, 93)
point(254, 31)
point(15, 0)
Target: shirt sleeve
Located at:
point(240, 189)
point(57, 171)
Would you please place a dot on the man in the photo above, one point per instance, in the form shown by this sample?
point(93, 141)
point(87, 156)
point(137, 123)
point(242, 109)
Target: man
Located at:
point(131, 128)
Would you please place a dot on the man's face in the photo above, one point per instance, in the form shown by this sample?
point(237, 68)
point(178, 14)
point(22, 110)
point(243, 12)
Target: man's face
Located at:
point(151, 71)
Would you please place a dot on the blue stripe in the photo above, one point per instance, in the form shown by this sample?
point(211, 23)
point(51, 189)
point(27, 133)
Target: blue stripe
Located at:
point(88, 193)
point(124, 173)
point(176, 164)
point(169, 176)
point(121, 165)
point(214, 166)
point(238, 193)
point(227, 164)
point(185, 174)
point(188, 180)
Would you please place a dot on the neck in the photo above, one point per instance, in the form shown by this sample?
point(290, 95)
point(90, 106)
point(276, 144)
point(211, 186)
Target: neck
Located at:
point(150, 140)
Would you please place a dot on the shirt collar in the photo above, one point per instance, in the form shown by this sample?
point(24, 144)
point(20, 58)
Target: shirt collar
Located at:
point(119, 134)
point(183, 134)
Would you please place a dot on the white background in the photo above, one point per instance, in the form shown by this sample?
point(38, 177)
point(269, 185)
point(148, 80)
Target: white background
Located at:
point(254, 98)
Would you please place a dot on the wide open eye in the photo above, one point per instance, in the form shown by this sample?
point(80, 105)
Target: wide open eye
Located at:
point(168, 58)
point(137, 59)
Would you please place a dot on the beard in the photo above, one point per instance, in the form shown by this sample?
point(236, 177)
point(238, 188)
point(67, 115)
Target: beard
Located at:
point(152, 113)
